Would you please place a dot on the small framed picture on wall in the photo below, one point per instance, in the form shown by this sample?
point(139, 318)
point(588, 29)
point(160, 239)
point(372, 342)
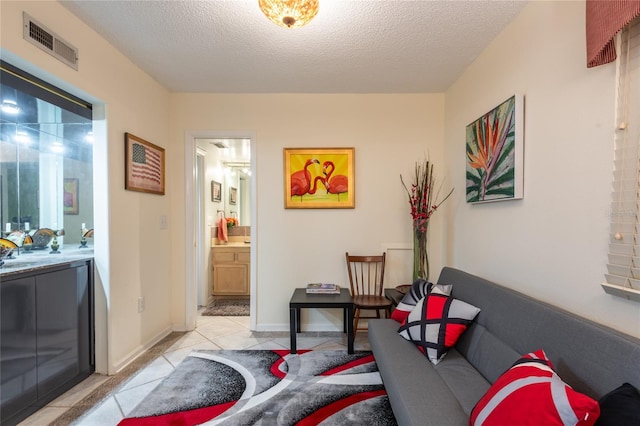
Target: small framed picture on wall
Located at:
point(216, 191)
point(233, 195)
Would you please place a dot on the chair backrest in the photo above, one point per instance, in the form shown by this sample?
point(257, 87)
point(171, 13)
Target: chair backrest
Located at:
point(366, 274)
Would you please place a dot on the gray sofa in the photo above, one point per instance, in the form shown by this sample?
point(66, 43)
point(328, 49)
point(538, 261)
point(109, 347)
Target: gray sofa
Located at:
point(593, 359)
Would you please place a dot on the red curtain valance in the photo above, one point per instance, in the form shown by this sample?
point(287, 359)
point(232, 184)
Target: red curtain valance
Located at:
point(604, 19)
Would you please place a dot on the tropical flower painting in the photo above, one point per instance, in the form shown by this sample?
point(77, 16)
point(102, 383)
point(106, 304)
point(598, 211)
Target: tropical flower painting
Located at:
point(495, 153)
point(319, 178)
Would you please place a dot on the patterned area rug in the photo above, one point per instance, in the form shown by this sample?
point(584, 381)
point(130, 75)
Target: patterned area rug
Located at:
point(231, 307)
point(261, 387)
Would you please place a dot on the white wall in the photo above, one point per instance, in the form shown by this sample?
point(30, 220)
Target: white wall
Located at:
point(553, 243)
point(389, 133)
point(132, 253)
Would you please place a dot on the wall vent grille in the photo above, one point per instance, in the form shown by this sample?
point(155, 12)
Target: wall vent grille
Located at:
point(39, 35)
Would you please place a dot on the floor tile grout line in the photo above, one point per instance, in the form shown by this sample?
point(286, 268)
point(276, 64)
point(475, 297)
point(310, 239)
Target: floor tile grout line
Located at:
point(115, 398)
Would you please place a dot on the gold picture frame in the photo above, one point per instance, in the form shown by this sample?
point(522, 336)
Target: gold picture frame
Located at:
point(319, 178)
point(144, 165)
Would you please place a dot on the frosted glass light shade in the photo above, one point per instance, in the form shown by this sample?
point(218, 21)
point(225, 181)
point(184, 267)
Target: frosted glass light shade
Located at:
point(289, 13)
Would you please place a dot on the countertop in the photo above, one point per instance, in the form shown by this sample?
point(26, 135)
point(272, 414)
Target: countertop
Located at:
point(234, 241)
point(36, 259)
point(232, 244)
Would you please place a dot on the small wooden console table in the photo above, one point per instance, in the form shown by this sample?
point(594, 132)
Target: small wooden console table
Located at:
point(301, 299)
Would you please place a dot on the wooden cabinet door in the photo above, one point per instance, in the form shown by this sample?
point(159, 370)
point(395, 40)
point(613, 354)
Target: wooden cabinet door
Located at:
point(230, 279)
point(231, 271)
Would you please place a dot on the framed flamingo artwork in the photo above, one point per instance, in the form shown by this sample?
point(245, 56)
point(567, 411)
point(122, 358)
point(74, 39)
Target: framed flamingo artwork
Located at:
point(319, 178)
point(495, 151)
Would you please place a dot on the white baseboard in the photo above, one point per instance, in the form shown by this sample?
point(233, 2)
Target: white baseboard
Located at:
point(133, 355)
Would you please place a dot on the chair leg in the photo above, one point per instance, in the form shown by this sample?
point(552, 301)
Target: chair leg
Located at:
point(355, 325)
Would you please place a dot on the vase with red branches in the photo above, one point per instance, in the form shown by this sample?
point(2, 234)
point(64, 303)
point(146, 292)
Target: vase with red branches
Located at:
point(423, 199)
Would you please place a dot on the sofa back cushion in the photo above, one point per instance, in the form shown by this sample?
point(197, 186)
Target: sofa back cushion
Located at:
point(590, 357)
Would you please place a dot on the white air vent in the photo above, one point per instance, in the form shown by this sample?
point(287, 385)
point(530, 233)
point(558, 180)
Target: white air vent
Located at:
point(40, 36)
point(220, 144)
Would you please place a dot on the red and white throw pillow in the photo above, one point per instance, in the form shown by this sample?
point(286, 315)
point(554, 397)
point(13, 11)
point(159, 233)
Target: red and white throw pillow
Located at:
point(419, 289)
point(532, 393)
point(436, 323)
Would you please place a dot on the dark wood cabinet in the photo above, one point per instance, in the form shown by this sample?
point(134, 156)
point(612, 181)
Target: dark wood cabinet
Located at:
point(18, 346)
point(47, 336)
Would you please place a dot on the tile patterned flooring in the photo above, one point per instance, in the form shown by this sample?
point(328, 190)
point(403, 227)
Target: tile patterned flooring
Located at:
point(105, 400)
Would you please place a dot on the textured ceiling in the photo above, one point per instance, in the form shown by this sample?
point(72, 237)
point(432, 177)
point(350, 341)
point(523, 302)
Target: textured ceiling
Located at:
point(364, 46)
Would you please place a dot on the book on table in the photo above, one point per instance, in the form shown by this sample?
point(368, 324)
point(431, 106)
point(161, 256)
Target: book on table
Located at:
point(323, 288)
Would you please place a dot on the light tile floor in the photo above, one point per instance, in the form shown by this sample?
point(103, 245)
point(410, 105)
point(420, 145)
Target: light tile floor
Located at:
point(211, 333)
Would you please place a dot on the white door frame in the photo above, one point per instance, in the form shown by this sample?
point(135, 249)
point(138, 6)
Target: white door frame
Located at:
point(191, 296)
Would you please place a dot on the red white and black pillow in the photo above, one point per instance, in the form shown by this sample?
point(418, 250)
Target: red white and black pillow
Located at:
point(436, 323)
point(419, 289)
point(532, 393)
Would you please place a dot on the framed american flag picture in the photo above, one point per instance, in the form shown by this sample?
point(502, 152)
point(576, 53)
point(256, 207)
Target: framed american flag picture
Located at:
point(144, 165)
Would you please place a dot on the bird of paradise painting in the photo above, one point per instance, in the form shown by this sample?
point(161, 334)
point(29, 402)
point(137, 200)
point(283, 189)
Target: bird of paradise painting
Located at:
point(495, 153)
point(319, 178)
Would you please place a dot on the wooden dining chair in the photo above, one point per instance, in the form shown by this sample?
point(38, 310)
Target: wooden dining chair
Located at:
point(366, 278)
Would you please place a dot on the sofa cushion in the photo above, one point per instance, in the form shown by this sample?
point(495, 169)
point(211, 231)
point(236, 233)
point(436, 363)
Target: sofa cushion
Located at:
point(419, 289)
point(531, 393)
point(418, 394)
point(436, 323)
point(620, 407)
point(464, 381)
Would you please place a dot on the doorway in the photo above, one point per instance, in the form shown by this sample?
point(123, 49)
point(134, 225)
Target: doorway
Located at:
point(219, 153)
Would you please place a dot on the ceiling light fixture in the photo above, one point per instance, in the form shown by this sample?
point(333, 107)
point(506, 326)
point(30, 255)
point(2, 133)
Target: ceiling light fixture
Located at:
point(10, 107)
point(289, 13)
point(57, 147)
point(22, 137)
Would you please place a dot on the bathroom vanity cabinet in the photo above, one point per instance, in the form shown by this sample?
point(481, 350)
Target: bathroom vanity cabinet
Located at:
point(47, 335)
point(230, 270)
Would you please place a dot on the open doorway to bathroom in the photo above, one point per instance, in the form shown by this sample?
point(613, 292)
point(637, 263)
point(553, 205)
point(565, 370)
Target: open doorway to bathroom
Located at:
point(223, 221)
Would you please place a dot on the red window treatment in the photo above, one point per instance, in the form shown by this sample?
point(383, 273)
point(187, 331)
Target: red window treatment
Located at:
point(604, 19)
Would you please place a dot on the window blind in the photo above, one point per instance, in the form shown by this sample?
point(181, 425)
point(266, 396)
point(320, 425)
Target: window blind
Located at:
point(623, 267)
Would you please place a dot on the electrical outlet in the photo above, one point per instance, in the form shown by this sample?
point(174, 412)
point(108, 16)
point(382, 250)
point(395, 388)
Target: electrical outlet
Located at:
point(140, 305)
point(164, 221)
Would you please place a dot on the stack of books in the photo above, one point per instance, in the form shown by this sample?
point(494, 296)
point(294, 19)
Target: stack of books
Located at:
point(323, 288)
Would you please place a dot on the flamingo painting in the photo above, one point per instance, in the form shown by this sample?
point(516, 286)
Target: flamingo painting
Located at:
point(319, 178)
point(337, 184)
point(301, 179)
